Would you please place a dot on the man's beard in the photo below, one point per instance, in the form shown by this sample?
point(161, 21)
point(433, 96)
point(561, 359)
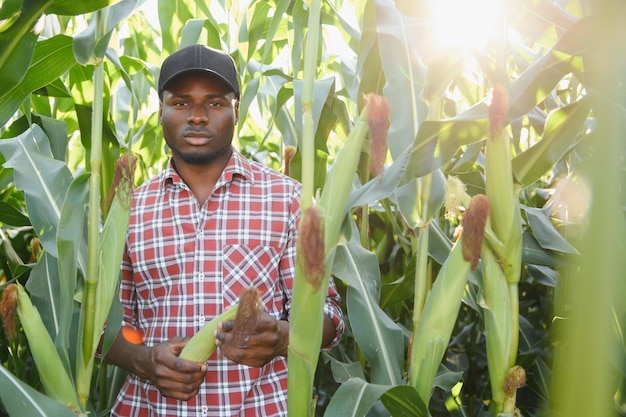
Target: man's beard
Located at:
point(201, 158)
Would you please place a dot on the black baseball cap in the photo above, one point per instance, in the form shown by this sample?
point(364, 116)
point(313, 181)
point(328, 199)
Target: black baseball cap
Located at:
point(199, 58)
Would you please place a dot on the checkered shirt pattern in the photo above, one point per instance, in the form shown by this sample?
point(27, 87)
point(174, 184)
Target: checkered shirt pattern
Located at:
point(184, 264)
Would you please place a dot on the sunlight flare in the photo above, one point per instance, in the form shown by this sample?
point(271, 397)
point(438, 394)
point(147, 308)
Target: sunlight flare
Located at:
point(464, 24)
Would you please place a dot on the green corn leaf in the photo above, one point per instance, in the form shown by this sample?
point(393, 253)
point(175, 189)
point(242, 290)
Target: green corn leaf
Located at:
point(20, 399)
point(52, 58)
point(355, 397)
point(43, 179)
point(380, 339)
point(90, 45)
point(560, 135)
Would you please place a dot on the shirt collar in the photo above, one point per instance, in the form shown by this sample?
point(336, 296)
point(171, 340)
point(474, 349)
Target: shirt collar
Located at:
point(238, 165)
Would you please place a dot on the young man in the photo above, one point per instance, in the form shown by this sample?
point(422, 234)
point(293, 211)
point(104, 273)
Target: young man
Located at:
point(209, 226)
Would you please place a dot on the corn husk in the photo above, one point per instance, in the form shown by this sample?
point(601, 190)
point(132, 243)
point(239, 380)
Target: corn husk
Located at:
point(54, 377)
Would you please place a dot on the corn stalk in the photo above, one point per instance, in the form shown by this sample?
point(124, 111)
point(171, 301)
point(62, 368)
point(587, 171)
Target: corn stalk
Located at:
point(502, 316)
point(310, 287)
point(422, 279)
point(318, 234)
point(105, 247)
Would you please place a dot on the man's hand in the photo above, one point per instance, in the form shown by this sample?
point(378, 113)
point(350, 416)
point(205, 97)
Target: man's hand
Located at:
point(269, 339)
point(174, 377)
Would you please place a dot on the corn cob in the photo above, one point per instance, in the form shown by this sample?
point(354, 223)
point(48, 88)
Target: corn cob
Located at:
point(53, 375)
point(442, 305)
point(499, 186)
point(112, 240)
point(248, 315)
point(202, 345)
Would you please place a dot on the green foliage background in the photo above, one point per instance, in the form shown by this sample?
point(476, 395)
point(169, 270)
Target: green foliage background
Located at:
point(563, 64)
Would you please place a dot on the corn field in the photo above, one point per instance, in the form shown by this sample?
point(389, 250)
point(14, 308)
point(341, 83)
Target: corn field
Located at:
point(470, 191)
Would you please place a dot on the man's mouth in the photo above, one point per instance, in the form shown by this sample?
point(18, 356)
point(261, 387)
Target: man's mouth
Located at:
point(197, 138)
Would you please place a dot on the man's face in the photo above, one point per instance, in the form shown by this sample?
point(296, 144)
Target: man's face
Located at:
point(198, 115)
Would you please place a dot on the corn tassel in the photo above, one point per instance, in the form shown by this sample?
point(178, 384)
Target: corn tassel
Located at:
point(53, 375)
point(202, 345)
point(442, 305)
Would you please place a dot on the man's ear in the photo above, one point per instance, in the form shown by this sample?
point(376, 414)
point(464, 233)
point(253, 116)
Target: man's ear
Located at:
point(160, 110)
point(236, 111)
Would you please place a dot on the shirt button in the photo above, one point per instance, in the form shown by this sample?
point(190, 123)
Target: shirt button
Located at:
point(201, 235)
point(201, 319)
point(201, 276)
point(205, 410)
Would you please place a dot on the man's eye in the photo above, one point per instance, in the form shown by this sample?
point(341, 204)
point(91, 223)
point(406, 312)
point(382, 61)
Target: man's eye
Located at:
point(180, 103)
point(215, 104)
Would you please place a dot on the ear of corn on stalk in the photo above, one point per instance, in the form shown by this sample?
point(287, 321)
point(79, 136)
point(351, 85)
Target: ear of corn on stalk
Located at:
point(54, 377)
point(442, 305)
point(506, 222)
point(310, 287)
point(499, 186)
point(306, 322)
point(98, 300)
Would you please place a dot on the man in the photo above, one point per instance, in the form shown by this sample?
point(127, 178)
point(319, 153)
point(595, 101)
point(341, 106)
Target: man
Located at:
point(209, 226)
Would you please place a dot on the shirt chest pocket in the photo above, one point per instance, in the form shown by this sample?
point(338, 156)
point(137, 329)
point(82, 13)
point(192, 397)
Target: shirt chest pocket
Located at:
point(245, 266)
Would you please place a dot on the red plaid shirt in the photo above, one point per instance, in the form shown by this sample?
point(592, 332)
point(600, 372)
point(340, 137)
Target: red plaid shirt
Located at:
point(184, 264)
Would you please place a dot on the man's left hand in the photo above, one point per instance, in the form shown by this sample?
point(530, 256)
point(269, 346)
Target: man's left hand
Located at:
point(269, 339)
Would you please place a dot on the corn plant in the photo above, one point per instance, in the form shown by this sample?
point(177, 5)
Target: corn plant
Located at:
point(61, 210)
point(306, 67)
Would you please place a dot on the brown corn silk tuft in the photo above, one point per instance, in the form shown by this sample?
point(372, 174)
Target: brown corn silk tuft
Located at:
point(378, 121)
point(473, 224)
point(497, 110)
point(288, 154)
point(515, 378)
point(124, 171)
point(250, 309)
point(311, 247)
point(8, 310)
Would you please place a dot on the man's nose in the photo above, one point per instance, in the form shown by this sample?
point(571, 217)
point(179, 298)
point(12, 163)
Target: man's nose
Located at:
point(198, 114)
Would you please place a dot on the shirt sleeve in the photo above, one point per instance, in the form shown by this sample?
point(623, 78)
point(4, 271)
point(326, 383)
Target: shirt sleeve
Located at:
point(127, 291)
point(333, 310)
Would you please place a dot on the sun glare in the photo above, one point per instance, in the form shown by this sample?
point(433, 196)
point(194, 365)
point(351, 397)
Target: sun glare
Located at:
point(464, 23)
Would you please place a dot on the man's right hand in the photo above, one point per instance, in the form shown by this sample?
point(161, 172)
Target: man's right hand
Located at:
point(174, 377)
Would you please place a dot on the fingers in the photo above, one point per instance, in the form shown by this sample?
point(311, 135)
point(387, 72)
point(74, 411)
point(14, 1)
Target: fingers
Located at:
point(268, 340)
point(173, 376)
point(182, 386)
